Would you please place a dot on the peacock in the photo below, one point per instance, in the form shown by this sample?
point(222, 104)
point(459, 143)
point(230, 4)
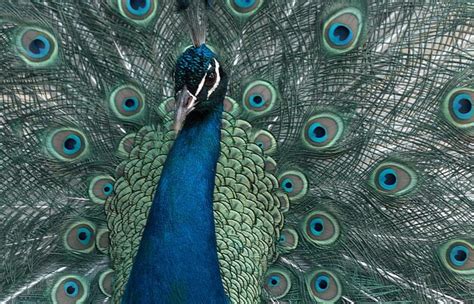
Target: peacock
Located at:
point(236, 151)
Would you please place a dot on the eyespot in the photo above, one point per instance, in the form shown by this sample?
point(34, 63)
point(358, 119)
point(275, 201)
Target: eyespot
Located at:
point(67, 144)
point(320, 228)
point(265, 141)
point(393, 179)
point(294, 184)
point(323, 286)
point(231, 106)
point(100, 187)
point(342, 30)
point(244, 8)
point(126, 144)
point(80, 237)
point(102, 241)
point(70, 289)
point(259, 97)
point(37, 47)
point(277, 283)
point(458, 107)
point(106, 282)
point(138, 11)
point(127, 102)
point(288, 239)
point(322, 131)
point(458, 256)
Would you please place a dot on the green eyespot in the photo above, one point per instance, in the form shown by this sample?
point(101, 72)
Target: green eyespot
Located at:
point(320, 228)
point(294, 184)
point(342, 30)
point(106, 280)
point(277, 283)
point(458, 257)
point(393, 179)
point(244, 8)
point(70, 289)
point(323, 286)
point(138, 11)
point(458, 107)
point(265, 141)
point(67, 144)
point(37, 47)
point(259, 98)
point(127, 102)
point(80, 237)
point(322, 131)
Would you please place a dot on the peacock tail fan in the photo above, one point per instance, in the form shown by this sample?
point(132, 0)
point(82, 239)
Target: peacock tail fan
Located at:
point(345, 170)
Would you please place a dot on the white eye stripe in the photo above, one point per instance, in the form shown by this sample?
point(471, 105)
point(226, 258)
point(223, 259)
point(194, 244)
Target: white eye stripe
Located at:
point(218, 79)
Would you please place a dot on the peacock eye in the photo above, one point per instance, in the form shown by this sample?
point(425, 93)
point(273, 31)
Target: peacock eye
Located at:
point(277, 283)
point(288, 239)
point(127, 102)
point(323, 286)
point(70, 289)
point(37, 47)
point(139, 11)
point(259, 97)
point(265, 141)
point(458, 256)
point(294, 184)
point(210, 79)
point(80, 237)
point(458, 107)
point(100, 188)
point(322, 131)
point(393, 179)
point(320, 228)
point(244, 7)
point(342, 30)
point(67, 144)
point(106, 282)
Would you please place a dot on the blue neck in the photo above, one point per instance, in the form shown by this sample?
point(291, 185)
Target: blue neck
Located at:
point(177, 259)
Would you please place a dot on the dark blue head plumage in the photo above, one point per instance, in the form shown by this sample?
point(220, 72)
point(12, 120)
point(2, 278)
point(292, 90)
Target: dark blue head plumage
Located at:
point(200, 83)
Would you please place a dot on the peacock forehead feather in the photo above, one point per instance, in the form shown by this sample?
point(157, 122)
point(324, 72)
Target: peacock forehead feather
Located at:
point(192, 65)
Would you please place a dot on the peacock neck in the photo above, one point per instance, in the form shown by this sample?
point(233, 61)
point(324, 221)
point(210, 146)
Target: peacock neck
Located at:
point(177, 260)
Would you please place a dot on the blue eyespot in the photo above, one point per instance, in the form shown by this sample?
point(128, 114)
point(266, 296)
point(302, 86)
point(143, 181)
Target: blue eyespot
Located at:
point(317, 226)
point(138, 7)
point(257, 101)
point(72, 144)
point(244, 3)
point(274, 281)
point(459, 255)
point(287, 185)
point(462, 106)
point(322, 283)
point(84, 235)
point(388, 179)
point(108, 189)
point(282, 239)
point(340, 34)
point(71, 289)
point(130, 104)
point(39, 47)
point(318, 133)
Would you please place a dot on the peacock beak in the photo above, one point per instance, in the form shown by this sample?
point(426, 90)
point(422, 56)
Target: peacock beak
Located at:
point(185, 104)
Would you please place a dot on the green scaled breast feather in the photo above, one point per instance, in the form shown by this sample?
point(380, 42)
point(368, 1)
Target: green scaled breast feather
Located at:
point(247, 204)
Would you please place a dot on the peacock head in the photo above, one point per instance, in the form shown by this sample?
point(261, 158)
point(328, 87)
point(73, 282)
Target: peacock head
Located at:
point(200, 83)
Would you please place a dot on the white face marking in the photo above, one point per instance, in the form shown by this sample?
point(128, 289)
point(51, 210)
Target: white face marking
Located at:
point(218, 79)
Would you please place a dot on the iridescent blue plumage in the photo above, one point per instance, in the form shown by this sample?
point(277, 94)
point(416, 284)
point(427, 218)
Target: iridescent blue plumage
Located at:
point(177, 261)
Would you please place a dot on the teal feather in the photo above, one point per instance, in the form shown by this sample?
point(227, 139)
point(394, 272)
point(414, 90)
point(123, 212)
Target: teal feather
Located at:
point(389, 82)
